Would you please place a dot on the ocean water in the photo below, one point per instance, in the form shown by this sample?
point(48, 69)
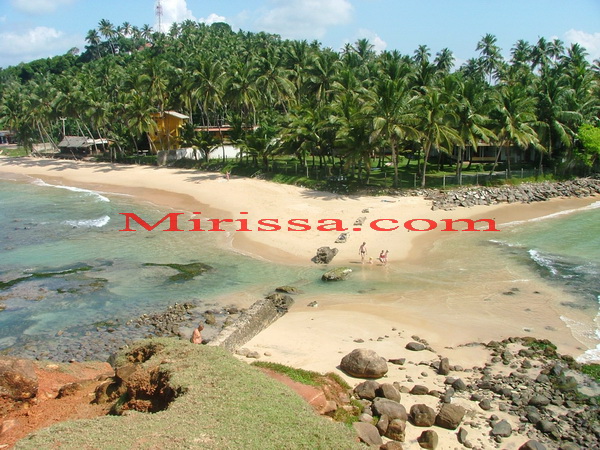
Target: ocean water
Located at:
point(564, 250)
point(65, 268)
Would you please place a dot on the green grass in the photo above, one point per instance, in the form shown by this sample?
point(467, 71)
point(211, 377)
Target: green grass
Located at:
point(226, 404)
point(14, 152)
point(299, 375)
point(593, 370)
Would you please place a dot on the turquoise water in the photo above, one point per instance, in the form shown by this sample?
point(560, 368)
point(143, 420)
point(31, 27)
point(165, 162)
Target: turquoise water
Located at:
point(564, 249)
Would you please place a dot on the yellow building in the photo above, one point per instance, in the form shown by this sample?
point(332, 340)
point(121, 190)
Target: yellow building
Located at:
point(167, 133)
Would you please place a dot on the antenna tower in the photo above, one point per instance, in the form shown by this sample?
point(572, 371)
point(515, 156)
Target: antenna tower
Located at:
point(159, 13)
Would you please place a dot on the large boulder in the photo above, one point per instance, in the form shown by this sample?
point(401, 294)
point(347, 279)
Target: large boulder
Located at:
point(502, 429)
point(337, 274)
point(422, 415)
point(364, 363)
point(367, 433)
point(18, 380)
point(390, 408)
point(428, 439)
point(325, 255)
point(367, 390)
point(450, 416)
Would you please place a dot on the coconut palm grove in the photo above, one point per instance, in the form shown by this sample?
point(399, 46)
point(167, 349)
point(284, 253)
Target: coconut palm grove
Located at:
point(300, 112)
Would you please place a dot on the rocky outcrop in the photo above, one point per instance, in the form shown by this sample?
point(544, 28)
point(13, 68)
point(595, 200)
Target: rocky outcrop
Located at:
point(259, 316)
point(523, 193)
point(325, 255)
point(18, 380)
point(337, 274)
point(364, 363)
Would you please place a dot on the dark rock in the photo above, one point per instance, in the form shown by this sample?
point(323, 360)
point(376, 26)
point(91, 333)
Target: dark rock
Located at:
point(325, 255)
point(569, 446)
point(502, 429)
point(382, 424)
point(419, 389)
point(398, 361)
point(391, 445)
point(367, 390)
point(533, 417)
point(485, 404)
point(539, 400)
point(288, 290)
point(549, 428)
point(367, 433)
point(390, 408)
point(422, 415)
point(388, 391)
point(396, 430)
point(337, 274)
point(415, 346)
point(444, 367)
point(542, 378)
point(532, 445)
point(428, 439)
point(462, 435)
point(364, 363)
point(450, 416)
point(18, 380)
point(459, 385)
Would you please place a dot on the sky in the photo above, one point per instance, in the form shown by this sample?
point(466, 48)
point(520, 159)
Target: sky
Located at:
point(32, 29)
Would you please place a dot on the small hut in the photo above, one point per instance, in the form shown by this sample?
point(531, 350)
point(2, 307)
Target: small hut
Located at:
point(167, 135)
point(82, 145)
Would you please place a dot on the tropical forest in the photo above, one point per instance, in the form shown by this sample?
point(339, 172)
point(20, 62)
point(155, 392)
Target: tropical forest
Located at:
point(302, 113)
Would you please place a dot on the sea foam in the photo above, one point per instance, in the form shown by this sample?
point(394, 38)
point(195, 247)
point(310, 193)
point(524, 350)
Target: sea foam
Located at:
point(91, 223)
point(99, 196)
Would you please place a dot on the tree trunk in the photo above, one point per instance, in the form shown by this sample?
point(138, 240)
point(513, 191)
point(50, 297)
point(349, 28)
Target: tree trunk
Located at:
point(425, 158)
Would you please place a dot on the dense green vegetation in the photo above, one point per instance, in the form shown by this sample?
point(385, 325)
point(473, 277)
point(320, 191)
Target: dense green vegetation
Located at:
point(339, 114)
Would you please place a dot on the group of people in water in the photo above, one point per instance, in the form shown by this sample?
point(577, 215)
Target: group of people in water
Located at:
point(362, 251)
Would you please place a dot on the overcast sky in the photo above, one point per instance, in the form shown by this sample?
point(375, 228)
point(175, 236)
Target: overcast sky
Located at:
point(31, 29)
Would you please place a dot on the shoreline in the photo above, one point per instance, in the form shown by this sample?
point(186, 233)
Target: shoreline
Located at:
point(186, 190)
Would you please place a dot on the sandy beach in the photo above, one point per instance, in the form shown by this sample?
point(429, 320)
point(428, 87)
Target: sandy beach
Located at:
point(450, 316)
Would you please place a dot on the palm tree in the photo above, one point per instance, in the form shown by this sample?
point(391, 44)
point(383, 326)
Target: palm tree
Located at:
point(491, 58)
point(514, 119)
point(392, 104)
point(107, 29)
point(436, 123)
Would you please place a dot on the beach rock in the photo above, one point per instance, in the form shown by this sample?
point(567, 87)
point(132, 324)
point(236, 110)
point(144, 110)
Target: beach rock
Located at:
point(396, 430)
point(459, 385)
point(367, 390)
point(444, 367)
point(462, 435)
point(392, 445)
point(288, 290)
point(549, 428)
point(450, 416)
point(367, 433)
point(18, 380)
point(382, 424)
point(428, 439)
point(419, 389)
point(390, 408)
point(415, 346)
point(485, 404)
point(502, 429)
point(388, 391)
point(325, 255)
point(337, 274)
point(532, 445)
point(422, 415)
point(539, 400)
point(364, 363)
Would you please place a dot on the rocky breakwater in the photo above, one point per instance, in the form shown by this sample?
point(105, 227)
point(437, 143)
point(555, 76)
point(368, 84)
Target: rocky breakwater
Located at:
point(523, 193)
point(526, 396)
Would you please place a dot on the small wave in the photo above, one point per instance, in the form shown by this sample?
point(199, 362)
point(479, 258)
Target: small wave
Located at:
point(91, 223)
point(505, 244)
point(591, 206)
point(100, 197)
point(544, 261)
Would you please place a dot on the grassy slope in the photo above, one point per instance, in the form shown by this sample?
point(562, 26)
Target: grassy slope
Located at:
point(227, 404)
